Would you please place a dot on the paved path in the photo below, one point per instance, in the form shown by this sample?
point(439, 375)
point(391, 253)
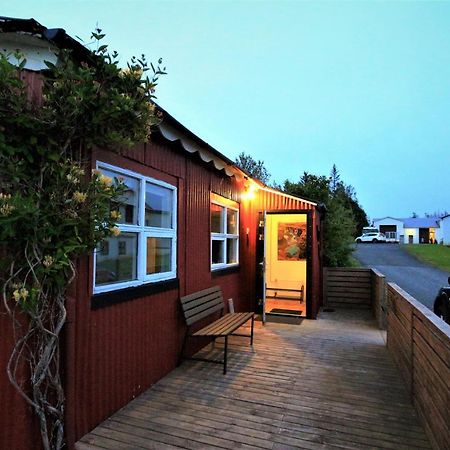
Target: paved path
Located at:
point(326, 384)
point(418, 279)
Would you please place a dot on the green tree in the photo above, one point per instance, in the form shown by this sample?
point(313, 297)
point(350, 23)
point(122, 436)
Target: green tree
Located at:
point(254, 168)
point(313, 187)
point(347, 194)
point(343, 213)
point(339, 225)
point(335, 179)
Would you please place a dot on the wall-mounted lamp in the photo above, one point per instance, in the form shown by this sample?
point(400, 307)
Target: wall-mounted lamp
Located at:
point(249, 192)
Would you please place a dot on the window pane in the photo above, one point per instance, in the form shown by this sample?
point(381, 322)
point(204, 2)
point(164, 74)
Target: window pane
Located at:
point(130, 198)
point(232, 256)
point(119, 262)
point(217, 251)
point(159, 255)
point(216, 218)
point(232, 221)
point(158, 206)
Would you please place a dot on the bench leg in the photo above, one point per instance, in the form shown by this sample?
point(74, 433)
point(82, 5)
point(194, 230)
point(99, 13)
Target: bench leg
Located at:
point(251, 336)
point(225, 356)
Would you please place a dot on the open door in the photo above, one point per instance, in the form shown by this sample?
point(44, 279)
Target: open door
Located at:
point(286, 260)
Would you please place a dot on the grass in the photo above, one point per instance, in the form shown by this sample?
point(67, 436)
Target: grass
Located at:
point(435, 255)
point(353, 262)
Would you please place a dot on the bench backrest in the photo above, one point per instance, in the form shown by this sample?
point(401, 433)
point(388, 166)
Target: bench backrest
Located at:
point(201, 304)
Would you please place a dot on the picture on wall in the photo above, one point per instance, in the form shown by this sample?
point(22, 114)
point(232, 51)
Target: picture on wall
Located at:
point(291, 241)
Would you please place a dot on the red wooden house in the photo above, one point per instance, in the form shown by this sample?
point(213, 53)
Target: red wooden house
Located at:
point(191, 219)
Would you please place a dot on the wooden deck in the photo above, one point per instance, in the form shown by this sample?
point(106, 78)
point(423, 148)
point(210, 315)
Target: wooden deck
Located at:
point(321, 384)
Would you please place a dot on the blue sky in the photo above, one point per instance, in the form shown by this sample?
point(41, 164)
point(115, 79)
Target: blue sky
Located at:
point(301, 85)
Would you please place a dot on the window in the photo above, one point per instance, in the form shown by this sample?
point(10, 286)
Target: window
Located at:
point(224, 233)
point(145, 250)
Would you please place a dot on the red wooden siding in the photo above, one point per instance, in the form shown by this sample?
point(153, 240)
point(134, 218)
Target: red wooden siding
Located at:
point(34, 83)
point(17, 424)
point(114, 353)
point(122, 349)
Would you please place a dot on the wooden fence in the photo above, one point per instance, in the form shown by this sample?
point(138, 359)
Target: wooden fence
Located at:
point(347, 287)
point(419, 342)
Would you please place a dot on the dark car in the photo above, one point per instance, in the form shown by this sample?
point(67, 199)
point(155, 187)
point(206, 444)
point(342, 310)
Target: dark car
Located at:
point(442, 303)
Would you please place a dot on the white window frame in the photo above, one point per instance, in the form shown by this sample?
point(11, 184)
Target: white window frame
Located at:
point(143, 232)
point(224, 236)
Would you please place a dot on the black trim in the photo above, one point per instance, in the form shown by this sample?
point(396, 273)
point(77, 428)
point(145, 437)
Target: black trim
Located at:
point(106, 299)
point(225, 271)
point(309, 263)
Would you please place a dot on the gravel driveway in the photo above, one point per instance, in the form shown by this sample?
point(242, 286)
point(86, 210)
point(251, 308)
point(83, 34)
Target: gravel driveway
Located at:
point(416, 278)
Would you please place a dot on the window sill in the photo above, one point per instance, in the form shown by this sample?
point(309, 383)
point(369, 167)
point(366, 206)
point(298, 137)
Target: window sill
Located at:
point(225, 271)
point(110, 298)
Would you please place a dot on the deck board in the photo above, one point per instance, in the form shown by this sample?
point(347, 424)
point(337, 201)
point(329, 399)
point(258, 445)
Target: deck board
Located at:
point(323, 384)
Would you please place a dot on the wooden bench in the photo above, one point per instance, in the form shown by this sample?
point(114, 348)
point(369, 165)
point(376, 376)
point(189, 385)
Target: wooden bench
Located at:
point(202, 304)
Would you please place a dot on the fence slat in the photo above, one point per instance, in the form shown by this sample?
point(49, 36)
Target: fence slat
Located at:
point(348, 287)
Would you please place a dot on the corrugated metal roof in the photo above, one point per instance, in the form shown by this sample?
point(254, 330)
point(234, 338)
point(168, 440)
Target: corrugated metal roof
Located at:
point(421, 222)
point(388, 217)
point(56, 36)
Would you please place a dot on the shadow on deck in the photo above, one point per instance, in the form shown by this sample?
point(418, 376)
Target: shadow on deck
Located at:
point(321, 384)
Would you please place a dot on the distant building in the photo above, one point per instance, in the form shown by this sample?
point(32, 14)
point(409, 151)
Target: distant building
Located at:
point(443, 232)
point(391, 227)
point(415, 230)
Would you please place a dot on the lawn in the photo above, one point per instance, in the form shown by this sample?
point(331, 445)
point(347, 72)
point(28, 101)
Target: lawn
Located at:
point(353, 262)
point(436, 255)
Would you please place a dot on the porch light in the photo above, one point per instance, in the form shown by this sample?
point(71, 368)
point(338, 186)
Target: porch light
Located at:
point(249, 192)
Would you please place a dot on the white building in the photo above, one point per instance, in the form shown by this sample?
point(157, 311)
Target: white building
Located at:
point(391, 227)
point(443, 232)
point(415, 230)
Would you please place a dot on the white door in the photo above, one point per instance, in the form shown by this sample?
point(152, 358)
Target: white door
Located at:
point(285, 263)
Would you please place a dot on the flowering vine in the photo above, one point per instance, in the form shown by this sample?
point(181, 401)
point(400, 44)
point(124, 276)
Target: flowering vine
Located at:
point(53, 209)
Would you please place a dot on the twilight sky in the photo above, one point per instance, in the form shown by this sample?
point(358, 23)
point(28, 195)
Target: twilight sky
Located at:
point(301, 85)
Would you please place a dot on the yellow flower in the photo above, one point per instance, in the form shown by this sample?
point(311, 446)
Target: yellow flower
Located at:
point(48, 261)
point(79, 197)
point(115, 215)
point(6, 210)
point(137, 72)
point(16, 295)
point(23, 293)
point(114, 231)
point(124, 72)
point(106, 181)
